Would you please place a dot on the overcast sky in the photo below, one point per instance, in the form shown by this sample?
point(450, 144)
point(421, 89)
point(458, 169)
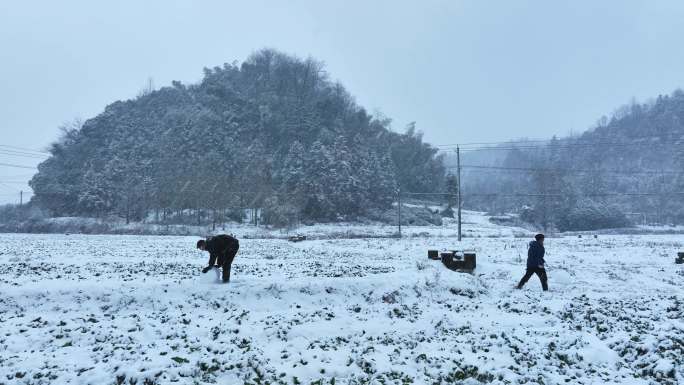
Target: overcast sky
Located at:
point(465, 71)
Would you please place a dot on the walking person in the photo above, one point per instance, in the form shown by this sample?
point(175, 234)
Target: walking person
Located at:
point(222, 249)
point(535, 262)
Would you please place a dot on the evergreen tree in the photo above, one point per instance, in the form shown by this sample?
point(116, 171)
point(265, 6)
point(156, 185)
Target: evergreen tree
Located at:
point(273, 130)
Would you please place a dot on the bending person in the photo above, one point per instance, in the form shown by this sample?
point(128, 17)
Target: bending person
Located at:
point(222, 249)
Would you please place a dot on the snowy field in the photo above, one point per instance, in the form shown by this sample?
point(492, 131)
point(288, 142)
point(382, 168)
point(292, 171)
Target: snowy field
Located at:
point(110, 309)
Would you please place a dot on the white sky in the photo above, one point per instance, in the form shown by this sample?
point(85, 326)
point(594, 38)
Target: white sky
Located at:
point(465, 71)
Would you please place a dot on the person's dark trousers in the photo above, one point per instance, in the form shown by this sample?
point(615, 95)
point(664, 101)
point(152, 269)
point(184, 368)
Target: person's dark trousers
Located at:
point(541, 273)
point(228, 261)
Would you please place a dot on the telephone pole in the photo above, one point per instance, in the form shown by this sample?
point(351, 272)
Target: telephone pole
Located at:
point(458, 183)
point(21, 197)
point(399, 210)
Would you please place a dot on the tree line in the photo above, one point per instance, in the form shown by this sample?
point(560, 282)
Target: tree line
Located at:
point(627, 169)
point(273, 134)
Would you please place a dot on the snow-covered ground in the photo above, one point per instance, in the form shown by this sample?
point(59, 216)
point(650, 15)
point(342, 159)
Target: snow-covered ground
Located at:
point(106, 309)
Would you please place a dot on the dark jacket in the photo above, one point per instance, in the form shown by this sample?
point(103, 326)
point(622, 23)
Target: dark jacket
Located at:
point(221, 248)
point(535, 255)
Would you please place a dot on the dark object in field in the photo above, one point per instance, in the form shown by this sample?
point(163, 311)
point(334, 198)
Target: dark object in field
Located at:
point(433, 254)
point(297, 238)
point(469, 260)
point(446, 254)
point(680, 258)
point(468, 263)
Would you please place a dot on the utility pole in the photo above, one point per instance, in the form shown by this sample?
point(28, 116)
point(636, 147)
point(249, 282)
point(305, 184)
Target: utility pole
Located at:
point(458, 183)
point(661, 203)
point(21, 197)
point(399, 209)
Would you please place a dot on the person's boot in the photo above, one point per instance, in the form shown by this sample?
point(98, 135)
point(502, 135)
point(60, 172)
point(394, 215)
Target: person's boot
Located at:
point(226, 273)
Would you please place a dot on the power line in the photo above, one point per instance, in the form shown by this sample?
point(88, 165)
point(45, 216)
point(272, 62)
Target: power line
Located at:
point(17, 166)
point(546, 195)
point(13, 182)
point(25, 184)
point(676, 193)
point(500, 168)
point(560, 140)
point(564, 146)
point(562, 143)
point(24, 155)
point(16, 181)
point(17, 176)
point(23, 149)
point(424, 193)
point(493, 143)
point(8, 187)
point(12, 150)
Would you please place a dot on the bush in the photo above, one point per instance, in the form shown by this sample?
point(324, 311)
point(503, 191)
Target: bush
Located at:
point(13, 214)
point(237, 215)
point(528, 214)
point(447, 212)
point(275, 213)
point(413, 216)
point(590, 215)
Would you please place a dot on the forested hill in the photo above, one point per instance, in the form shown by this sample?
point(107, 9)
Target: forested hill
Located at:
point(628, 168)
point(273, 133)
